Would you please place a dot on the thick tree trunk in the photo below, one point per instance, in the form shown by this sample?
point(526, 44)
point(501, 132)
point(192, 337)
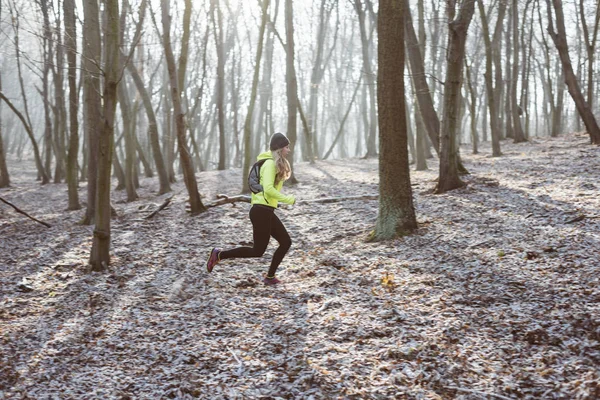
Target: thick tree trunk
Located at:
point(396, 216)
point(71, 45)
point(196, 205)
point(560, 41)
point(457, 35)
point(100, 256)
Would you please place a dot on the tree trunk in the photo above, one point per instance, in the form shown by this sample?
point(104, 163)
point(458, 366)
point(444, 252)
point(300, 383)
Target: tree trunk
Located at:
point(417, 67)
point(100, 256)
point(457, 35)
point(316, 77)
point(60, 123)
point(369, 80)
point(490, 48)
point(472, 110)
point(220, 100)
point(291, 85)
point(91, 98)
point(515, 108)
point(560, 41)
point(196, 205)
point(396, 216)
point(248, 120)
point(421, 142)
point(71, 45)
point(36, 152)
point(159, 162)
point(4, 177)
point(590, 46)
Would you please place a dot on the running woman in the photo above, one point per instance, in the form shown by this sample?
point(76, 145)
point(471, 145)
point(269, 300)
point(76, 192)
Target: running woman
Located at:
point(274, 171)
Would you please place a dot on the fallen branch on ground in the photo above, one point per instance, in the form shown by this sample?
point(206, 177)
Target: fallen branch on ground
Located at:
point(224, 199)
point(24, 213)
point(163, 205)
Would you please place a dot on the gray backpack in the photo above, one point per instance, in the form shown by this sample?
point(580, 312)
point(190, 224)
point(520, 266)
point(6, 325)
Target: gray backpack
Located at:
point(254, 177)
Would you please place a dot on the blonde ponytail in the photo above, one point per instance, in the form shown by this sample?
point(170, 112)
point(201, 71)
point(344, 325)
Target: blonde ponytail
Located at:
point(284, 170)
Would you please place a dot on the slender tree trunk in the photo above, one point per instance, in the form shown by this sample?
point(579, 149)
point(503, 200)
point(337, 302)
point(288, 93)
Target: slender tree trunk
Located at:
point(417, 68)
point(590, 46)
point(47, 57)
point(559, 39)
point(71, 45)
point(36, 151)
point(60, 123)
point(266, 88)
point(515, 108)
point(421, 142)
point(159, 162)
point(4, 177)
point(218, 33)
point(490, 49)
point(196, 205)
point(291, 85)
point(248, 121)
point(472, 110)
point(91, 98)
point(396, 216)
point(369, 80)
point(457, 35)
point(100, 257)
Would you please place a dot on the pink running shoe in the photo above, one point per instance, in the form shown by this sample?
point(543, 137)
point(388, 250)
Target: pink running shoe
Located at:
point(213, 259)
point(271, 281)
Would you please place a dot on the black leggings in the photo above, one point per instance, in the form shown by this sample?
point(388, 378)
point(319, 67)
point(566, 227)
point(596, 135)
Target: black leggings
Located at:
point(264, 224)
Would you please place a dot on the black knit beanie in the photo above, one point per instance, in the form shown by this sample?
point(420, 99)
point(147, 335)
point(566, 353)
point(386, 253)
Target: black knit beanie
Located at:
point(278, 141)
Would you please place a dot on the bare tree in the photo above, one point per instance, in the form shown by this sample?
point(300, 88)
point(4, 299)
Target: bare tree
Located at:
point(71, 45)
point(91, 99)
point(369, 75)
point(492, 50)
point(515, 108)
point(590, 47)
point(248, 120)
point(396, 216)
point(100, 257)
point(187, 166)
point(457, 35)
point(4, 177)
point(291, 83)
point(560, 41)
point(217, 19)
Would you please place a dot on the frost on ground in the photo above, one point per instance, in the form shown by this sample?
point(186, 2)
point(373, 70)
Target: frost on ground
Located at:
point(495, 296)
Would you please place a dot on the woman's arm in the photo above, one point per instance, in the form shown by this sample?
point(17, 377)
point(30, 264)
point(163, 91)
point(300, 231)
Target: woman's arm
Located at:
point(268, 172)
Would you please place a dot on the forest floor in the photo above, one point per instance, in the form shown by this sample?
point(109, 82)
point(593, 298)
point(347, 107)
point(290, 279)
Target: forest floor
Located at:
point(496, 296)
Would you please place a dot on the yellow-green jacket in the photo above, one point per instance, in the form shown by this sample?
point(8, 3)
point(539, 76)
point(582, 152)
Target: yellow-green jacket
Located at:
point(271, 195)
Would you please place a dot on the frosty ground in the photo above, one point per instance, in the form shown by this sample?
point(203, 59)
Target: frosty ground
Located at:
point(496, 295)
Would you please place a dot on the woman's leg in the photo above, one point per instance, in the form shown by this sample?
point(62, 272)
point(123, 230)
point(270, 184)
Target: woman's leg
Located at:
point(280, 234)
point(261, 227)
